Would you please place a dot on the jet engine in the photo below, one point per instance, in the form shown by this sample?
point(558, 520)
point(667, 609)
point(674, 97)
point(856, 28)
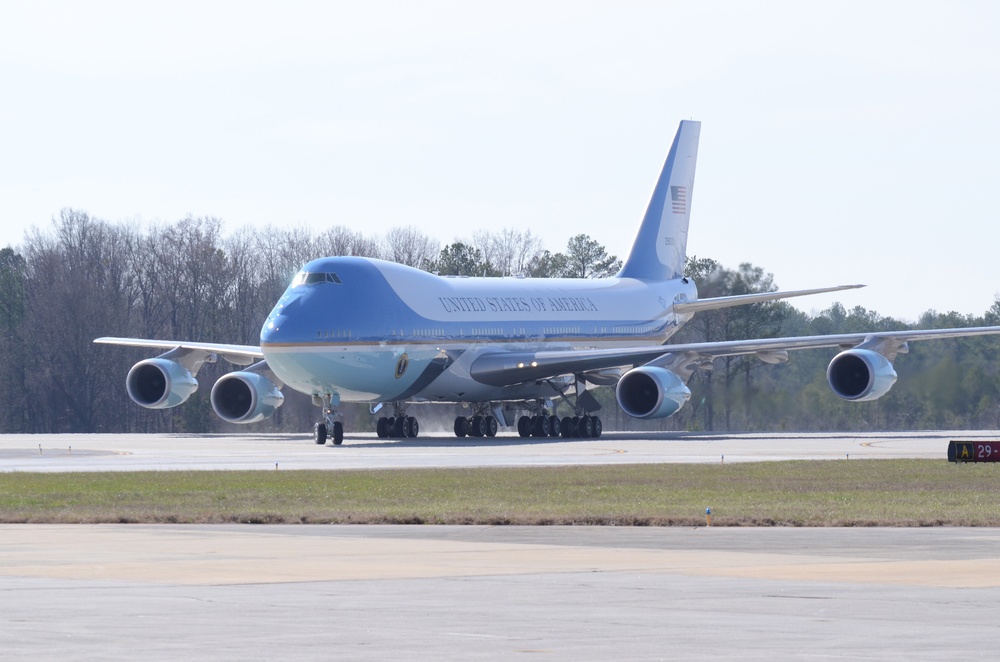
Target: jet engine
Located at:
point(651, 392)
point(860, 374)
point(160, 383)
point(245, 397)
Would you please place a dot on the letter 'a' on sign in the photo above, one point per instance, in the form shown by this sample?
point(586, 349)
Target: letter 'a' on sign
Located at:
point(974, 451)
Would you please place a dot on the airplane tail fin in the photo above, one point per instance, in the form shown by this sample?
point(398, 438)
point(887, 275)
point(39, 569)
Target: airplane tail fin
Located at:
point(661, 244)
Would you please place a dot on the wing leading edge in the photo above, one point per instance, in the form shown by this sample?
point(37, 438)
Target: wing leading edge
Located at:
point(236, 354)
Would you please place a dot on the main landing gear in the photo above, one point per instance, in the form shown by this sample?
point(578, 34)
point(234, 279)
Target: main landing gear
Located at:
point(482, 423)
point(476, 426)
point(398, 426)
point(541, 425)
point(401, 426)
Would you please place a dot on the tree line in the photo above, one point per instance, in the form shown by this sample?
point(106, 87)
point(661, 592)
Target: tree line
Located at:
point(84, 277)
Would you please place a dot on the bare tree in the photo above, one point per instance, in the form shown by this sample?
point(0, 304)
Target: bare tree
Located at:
point(411, 247)
point(341, 240)
point(13, 377)
point(508, 252)
point(78, 286)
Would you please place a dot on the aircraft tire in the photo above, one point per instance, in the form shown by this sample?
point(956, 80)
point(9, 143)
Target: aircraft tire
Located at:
point(554, 426)
point(524, 426)
point(586, 427)
point(338, 433)
point(413, 427)
point(598, 427)
point(478, 426)
point(566, 427)
point(491, 426)
point(319, 434)
point(461, 426)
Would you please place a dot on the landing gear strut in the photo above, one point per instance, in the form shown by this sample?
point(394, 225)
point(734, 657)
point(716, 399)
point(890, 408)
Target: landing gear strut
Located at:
point(329, 427)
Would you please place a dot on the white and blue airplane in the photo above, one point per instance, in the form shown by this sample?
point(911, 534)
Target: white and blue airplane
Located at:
point(353, 329)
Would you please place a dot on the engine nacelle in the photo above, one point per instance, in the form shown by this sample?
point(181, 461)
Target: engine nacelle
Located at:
point(651, 392)
point(160, 383)
point(860, 374)
point(245, 397)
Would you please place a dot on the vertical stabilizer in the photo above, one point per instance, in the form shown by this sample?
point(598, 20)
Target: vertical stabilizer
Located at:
point(661, 244)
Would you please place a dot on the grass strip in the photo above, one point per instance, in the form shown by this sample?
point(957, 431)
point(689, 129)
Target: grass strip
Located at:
point(806, 493)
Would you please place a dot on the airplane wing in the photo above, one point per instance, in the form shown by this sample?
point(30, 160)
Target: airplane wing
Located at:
point(509, 368)
point(237, 354)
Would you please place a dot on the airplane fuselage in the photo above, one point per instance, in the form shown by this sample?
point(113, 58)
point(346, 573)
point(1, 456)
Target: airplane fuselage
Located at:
point(368, 330)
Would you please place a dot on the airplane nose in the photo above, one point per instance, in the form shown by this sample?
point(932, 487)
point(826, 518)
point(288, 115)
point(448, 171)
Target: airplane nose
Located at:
point(279, 324)
point(271, 331)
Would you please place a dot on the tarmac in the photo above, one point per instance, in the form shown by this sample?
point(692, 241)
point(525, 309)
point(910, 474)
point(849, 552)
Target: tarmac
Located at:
point(266, 452)
point(164, 592)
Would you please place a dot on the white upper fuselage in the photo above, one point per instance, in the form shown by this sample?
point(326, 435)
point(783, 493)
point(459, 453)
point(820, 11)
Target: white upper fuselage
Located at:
point(369, 330)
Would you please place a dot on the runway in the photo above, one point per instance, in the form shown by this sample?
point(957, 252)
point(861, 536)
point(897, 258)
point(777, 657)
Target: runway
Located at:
point(458, 593)
point(461, 593)
point(128, 452)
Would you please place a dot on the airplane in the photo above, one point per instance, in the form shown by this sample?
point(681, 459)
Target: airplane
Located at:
point(355, 329)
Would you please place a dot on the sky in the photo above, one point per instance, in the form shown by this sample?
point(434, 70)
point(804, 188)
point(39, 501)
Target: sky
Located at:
point(848, 142)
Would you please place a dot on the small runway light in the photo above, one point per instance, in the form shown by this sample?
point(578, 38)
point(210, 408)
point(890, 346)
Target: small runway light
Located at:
point(708, 517)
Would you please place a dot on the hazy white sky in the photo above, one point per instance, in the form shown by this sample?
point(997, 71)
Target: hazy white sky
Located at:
point(841, 142)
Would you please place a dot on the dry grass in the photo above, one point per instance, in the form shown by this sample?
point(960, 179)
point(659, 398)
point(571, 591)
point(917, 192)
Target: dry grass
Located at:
point(828, 493)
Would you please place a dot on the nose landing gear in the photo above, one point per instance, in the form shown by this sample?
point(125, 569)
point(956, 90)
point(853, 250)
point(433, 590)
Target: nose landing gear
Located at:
point(330, 427)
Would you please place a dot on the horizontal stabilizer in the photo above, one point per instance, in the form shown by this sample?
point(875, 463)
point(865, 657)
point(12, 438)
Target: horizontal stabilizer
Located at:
point(690, 307)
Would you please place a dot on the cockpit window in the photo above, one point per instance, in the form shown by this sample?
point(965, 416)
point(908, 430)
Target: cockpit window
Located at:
point(309, 278)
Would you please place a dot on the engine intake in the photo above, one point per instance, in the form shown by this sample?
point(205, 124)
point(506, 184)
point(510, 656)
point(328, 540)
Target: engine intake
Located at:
point(860, 374)
point(245, 397)
point(651, 392)
point(160, 383)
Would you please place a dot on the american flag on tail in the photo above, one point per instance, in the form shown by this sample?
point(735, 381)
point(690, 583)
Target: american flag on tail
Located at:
point(678, 199)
